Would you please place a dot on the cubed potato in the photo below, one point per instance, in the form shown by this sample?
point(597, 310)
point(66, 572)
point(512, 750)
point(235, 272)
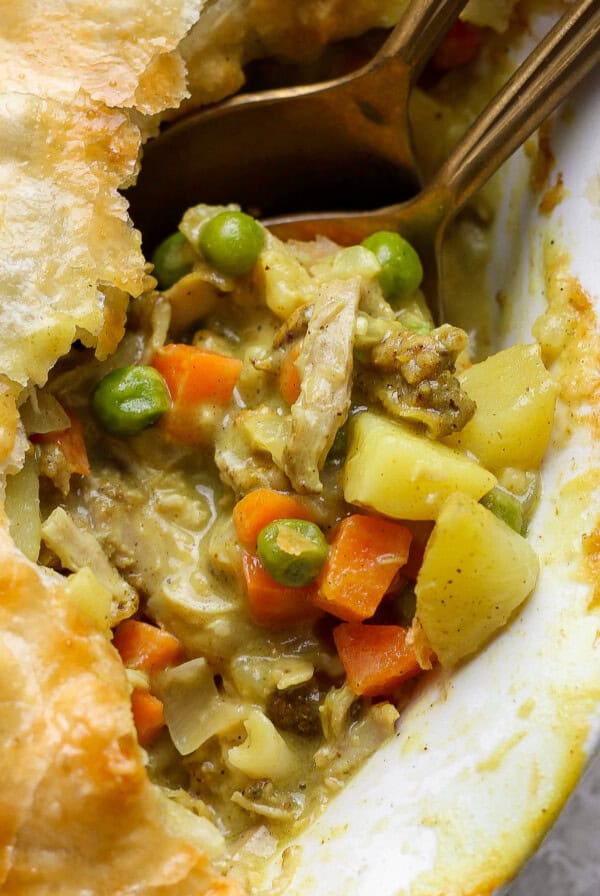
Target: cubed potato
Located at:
point(401, 474)
point(287, 284)
point(515, 398)
point(264, 753)
point(475, 573)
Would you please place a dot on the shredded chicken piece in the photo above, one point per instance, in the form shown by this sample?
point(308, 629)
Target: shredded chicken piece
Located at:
point(325, 365)
point(294, 327)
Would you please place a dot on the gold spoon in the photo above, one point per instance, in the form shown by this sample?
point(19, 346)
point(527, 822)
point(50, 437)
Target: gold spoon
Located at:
point(569, 51)
point(341, 144)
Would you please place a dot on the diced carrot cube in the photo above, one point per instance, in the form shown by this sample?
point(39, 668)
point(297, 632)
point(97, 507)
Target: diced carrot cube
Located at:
point(289, 377)
point(459, 47)
point(146, 647)
point(195, 375)
point(148, 716)
point(272, 604)
point(262, 506)
point(72, 444)
point(366, 553)
point(376, 657)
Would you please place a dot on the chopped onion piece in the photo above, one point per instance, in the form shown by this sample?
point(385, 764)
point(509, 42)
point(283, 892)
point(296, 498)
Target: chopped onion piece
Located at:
point(194, 710)
point(43, 413)
point(22, 506)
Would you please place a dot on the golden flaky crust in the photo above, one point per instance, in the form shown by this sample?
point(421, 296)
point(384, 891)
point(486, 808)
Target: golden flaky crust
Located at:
point(77, 811)
point(105, 50)
point(76, 80)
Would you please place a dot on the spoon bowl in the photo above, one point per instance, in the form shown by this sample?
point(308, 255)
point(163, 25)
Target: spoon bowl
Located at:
point(359, 148)
point(341, 144)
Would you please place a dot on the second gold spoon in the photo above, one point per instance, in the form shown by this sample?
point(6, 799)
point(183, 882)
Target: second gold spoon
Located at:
point(569, 52)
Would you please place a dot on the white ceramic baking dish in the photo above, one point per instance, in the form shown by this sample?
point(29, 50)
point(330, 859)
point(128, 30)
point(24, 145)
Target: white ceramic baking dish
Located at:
point(484, 758)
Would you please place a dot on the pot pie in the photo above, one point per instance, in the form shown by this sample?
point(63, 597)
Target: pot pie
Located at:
point(252, 493)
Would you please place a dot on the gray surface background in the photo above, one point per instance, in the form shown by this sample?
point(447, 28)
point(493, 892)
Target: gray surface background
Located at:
point(568, 862)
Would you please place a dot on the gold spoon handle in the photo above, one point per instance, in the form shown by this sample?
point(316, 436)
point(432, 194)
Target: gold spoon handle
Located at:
point(569, 51)
point(411, 42)
point(419, 32)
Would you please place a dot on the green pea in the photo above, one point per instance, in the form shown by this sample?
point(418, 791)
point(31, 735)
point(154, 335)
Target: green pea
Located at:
point(172, 260)
point(506, 507)
point(292, 551)
point(129, 399)
point(339, 446)
point(231, 242)
point(405, 606)
point(401, 269)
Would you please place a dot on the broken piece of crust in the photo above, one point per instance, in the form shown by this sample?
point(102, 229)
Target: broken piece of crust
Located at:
point(77, 82)
point(59, 49)
point(77, 811)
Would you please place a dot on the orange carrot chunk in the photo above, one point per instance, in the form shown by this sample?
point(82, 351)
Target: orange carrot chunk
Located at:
point(376, 657)
point(71, 443)
point(263, 506)
point(289, 377)
point(147, 715)
point(195, 375)
point(146, 647)
point(200, 383)
point(366, 553)
point(272, 604)
point(459, 47)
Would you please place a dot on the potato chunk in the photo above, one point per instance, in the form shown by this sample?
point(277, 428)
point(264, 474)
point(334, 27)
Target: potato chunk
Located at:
point(475, 573)
point(515, 397)
point(404, 475)
point(287, 284)
point(264, 753)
